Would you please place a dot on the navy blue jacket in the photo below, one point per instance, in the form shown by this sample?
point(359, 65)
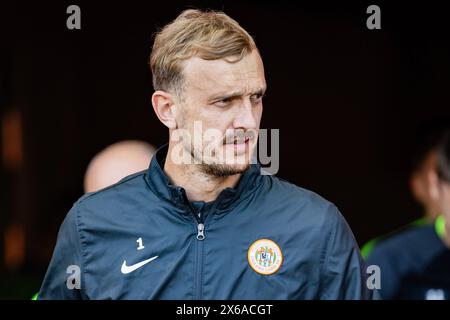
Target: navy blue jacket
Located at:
point(142, 239)
point(415, 264)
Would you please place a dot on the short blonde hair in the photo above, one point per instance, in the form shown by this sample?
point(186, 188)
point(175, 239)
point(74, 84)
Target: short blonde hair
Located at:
point(209, 35)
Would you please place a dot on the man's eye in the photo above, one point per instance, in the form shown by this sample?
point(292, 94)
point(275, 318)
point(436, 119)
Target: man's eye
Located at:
point(223, 102)
point(257, 97)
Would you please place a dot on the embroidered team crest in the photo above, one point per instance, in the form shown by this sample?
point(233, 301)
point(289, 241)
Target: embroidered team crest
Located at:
point(265, 257)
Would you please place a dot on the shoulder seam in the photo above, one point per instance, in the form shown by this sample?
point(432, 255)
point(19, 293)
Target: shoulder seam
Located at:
point(126, 179)
point(326, 252)
point(82, 249)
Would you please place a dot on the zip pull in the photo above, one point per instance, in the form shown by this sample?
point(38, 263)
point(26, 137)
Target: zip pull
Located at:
point(201, 231)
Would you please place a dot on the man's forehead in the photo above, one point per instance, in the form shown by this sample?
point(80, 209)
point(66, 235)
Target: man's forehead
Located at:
point(220, 76)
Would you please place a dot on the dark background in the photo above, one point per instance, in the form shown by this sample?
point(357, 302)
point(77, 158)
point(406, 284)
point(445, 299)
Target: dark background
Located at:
point(347, 101)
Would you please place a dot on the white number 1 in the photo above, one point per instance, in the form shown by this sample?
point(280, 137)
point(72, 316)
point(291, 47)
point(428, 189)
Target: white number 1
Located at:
point(141, 246)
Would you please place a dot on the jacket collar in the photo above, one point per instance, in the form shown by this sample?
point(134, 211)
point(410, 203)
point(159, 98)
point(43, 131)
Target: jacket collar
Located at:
point(160, 184)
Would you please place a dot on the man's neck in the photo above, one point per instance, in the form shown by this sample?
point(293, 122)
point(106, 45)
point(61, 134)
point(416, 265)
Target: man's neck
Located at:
point(198, 185)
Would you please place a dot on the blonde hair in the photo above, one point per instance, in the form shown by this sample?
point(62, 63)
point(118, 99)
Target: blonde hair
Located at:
point(209, 35)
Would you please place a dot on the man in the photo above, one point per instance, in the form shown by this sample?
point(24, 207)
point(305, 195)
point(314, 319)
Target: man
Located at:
point(202, 223)
point(115, 162)
point(415, 264)
point(428, 134)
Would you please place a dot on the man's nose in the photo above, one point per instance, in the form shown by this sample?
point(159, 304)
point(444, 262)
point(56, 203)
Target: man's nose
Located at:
point(245, 116)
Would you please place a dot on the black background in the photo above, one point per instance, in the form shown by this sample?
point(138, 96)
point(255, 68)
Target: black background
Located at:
point(347, 101)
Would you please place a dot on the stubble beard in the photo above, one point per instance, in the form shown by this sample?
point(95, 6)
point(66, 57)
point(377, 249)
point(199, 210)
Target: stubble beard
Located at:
point(217, 170)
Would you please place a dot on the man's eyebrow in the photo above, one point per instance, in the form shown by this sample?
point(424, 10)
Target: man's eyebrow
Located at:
point(259, 91)
point(237, 94)
point(225, 96)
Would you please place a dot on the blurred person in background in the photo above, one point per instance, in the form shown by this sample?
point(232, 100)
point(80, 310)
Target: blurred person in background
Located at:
point(116, 162)
point(427, 137)
point(415, 263)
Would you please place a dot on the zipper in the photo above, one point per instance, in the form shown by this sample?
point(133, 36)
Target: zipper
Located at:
point(198, 277)
point(199, 260)
point(198, 216)
point(200, 231)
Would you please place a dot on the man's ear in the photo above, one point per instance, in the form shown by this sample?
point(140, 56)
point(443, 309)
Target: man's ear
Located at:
point(433, 185)
point(164, 106)
point(418, 186)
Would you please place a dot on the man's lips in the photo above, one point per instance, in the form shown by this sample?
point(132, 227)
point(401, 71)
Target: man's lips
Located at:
point(238, 141)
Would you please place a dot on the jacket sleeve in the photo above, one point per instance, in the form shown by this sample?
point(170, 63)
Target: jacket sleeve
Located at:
point(64, 276)
point(343, 271)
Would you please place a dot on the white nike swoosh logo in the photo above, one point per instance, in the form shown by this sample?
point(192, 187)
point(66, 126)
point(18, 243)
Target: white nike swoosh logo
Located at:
point(127, 269)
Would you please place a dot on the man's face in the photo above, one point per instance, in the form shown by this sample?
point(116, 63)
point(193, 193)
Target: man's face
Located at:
point(221, 110)
point(445, 202)
point(419, 184)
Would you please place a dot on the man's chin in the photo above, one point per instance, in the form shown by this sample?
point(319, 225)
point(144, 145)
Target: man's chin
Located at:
point(224, 170)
